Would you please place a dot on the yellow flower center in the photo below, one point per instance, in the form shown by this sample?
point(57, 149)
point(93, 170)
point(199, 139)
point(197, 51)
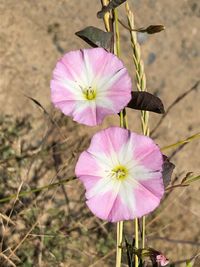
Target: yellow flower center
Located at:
point(120, 172)
point(89, 93)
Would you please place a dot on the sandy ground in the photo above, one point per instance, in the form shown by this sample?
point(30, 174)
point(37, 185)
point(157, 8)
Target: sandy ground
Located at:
point(34, 34)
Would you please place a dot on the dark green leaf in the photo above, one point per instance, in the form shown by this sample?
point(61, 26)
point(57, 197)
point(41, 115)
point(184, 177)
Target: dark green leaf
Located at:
point(113, 4)
point(167, 171)
point(146, 101)
point(96, 37)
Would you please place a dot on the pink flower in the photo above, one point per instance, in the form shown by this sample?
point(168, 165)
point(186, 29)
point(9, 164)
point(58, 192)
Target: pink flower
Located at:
point(89, 84)
point(162, 260)
point(122, 174)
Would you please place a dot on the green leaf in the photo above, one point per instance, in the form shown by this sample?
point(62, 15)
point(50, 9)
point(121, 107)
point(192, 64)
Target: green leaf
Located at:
point(113, 4)
point(96, 37)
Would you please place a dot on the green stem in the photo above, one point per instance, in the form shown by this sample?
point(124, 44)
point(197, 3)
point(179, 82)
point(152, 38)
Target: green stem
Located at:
point(182, 142)
point(119, 243)
point(143, 231)
point(117, 52)
point(122, 124)
point(117, 36)
point(35, 190)
point(136, 241)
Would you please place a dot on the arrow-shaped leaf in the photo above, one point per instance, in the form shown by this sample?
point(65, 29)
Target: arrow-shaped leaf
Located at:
point(96, 37)
point(146, 101)
point(113, 4)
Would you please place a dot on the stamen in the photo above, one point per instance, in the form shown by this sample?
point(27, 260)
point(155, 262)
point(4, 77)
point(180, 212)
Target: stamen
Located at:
point(119, 172)
point(89, 92)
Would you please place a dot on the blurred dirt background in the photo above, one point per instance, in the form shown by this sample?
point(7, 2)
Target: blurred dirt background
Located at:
point(54, 227)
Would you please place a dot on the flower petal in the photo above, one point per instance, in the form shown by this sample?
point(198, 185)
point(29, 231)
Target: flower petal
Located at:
point(102, 63)
point(109, 140)
point(145, 201)
point(102, 204)
point(75, 66)
point(125, 205)
point(81, 111)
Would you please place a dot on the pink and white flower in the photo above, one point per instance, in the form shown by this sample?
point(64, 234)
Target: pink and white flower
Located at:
point(122, 174)
point(89, 84)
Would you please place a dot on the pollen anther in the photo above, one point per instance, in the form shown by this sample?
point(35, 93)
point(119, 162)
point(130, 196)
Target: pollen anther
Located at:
point(119, 172)
point(89, 93)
